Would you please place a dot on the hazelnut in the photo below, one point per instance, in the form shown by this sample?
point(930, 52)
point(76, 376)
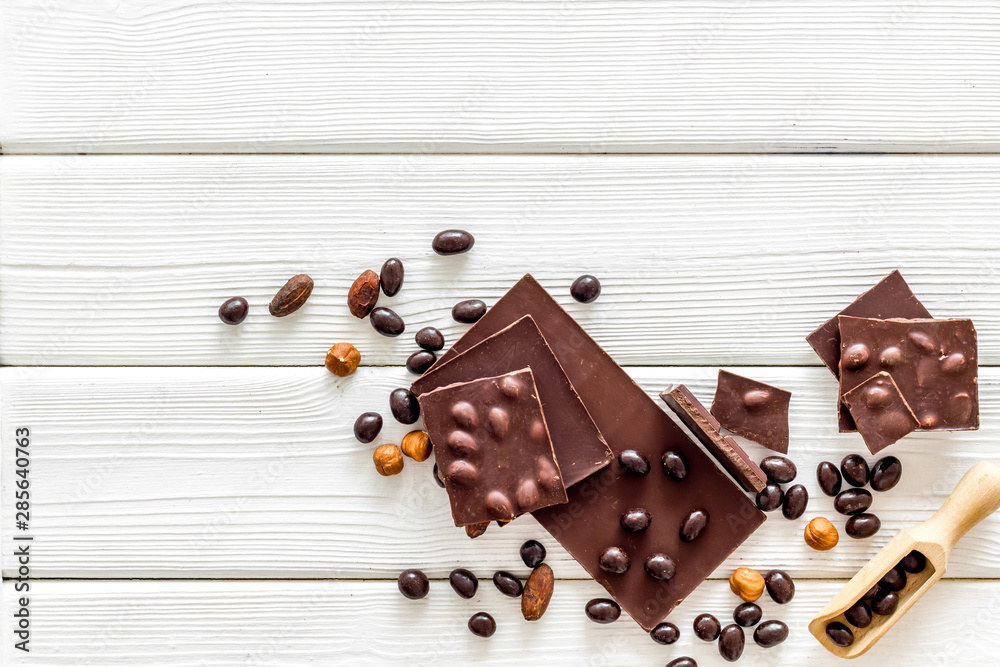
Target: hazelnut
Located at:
point(416, 445)
point(747, 583)
point(476, 529)
point(821, 535)
point(343, 359)
point(388, 460)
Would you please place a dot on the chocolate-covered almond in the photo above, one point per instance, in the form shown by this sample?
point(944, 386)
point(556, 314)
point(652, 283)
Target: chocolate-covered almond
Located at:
point(683, 661)
point(603, 610)
point(386, 322)
point(413, 584)
point(747, 614)
point(234, 311)
point(769, 499)
point(793, 505)
point(507, 583)
point(852, 501)
point(430, 339)
point(829, 478)
point(859, 614)
point(367, 426)
point(585, 289)
point(533, 553)
point(391, 276)
point(731, 642)
point(770, 633)
point(674, 465)
point(707, 627)
point(665, 633)
point(839, 634)
point(482, 624)
point(660, 567)
point(469, 311)
point(452, 242)
point(693, 525)
point(894, 579)
point(403, 405)
point(914, 562)
point(778, 469)
point(885, 602)
point(420, 361)
point(855, 470)
point(863, 525)
point(780, 586)
point(633, 462)
point(614, 560)
point(636, 520)
point(886, 473)
point(464, 582)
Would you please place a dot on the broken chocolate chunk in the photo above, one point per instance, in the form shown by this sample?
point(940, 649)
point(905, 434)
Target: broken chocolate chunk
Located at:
point(752, 409)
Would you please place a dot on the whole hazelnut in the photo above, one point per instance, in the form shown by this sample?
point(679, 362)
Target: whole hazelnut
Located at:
point(821, 535)
point(417, 445)
point(747, 583)
point(388, 460)
point(343, 359)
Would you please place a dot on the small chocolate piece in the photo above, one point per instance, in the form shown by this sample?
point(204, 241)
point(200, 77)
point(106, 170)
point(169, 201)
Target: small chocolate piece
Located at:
point(367, 426)
point(234, 311)
point(420, 362)
point(614, 560)
point(464, 583)
point(430, 339)
point(706, 428)
point(747, 614)
point(839, 634)
point(778, 469)
point(755, 410)
point(660, 567)
point(636, 520)
point(453, 242)
point(386, 322)
point(707, 627)
point(852, 501)
point(855, 470)
point(603, 610)
point(482, 624)
point(793, 505)
point(585, 289)
point(468, 312)
point(861, 526)
point(885, 602)
point(886, 473)
point(633, 462)
point(674, 465)
point(731, 642)
point(507, 583)
point(880, 413)
point(770, 633)
point(693, 525)
point(914, 562)
point(894, 579)
point(391, 276)
point(859, 614)
point(829, 478)
point(533, 553)
point(780, 586)
point(665, 633)
point(770, 498)
point(403, 406)
point(413, 584)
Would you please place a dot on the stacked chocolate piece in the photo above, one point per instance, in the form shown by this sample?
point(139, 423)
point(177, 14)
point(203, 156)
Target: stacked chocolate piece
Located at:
point(900, 370)
point(528, 414)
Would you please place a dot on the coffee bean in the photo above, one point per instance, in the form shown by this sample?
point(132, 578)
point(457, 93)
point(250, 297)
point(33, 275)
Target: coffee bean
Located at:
point(469, 311)
point(894, 579)
point(533, 553)
point(829, 478)
point(770, 633)
point(870, 595)
point(861, 526)
point(585, 289)
point(452, 242)
point(859, 615)
point(839, 634)
point(674, 465)
point(430, 339)
point(693, 525)
point(665, 633)
point(633, 462)
point(464, 582)
point(747, 614)
point(482, 624)
point(437, 476)
point(603, 610)
point(886, 473)
point(233, 311)
point(852, 501)
point(707, 627)
point(731, 642)
point(855, 470)
point(386, 322)
point(683, 662)
point(778, 469)
point(885, 602)
point(391, 276)
point(636, 520)
point(660, 567)
point(507, 583)
point(403, 405)
point(614, 560)
point(770, 498)
point(780, 586)
point(913, 562)
point(793, 505)
point(367, 426)
point(413, 584)
point(420, 361)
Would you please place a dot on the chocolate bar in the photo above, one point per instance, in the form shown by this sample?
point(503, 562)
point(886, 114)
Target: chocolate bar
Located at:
point(492, 448)
point(880, 412)
point(752, 409)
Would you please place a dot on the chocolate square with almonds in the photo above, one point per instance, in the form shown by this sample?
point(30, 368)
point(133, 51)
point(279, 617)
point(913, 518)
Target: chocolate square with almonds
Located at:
point(492, 448)
point(752, 409)
point(880, 412)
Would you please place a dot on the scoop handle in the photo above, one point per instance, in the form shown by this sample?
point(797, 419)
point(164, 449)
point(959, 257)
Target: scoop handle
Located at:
point(976, 496)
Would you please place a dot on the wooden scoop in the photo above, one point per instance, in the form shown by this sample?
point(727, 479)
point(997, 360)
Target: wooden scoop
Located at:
point(975, 498)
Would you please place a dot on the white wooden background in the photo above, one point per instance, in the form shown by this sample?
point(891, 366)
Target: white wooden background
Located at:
point(198, 496)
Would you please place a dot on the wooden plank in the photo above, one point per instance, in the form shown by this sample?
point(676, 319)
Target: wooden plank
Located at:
point(704, 260)
point(493, 76)
point(369, 623)
point(214, 472)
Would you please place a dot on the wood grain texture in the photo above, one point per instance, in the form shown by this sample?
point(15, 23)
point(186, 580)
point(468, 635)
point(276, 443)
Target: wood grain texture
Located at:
point(458, 76)
point(112, 260)
point(233, 473)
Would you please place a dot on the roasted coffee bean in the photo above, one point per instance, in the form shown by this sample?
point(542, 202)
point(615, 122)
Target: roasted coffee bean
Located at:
point(861, 526)
point(859, 615)
point(507, 583)
point(683, 662)
point(870, 595)
point(780, 586)
point(585, 289)
point(633, 462)
point(482, 624)
point(731, 642)
point(603, 610)
point(464, 582)
point(829, 478)
point(793, 505)
point(391, 276)
point(403, 405)
point(770, 633)
point(855, 470)
point(430, 339)
point(747, 614)
point(665, 633)
point(885, 601)
point(707, 627)
point(420, 361)
point(452, 242)
point(852, 501)
point(233, 311)
point(614, 560)
point(839, 634)
point(770, 498)
point(413, 584)
point(674, 465)
point(533, 553)
point(693, 525)
point(886, 473)
point(894, 579)
point(660, 567)
point(636, 520)
point(778, 469)
point(469, 311)
point(437, 476)
point(913, 562)
point(367, 426)
point(386, 322)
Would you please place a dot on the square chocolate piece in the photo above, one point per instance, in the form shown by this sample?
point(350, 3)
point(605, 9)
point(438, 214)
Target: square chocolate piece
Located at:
point(880, 412)
point(755, 410)
point(934, 363)
point(492, 448)
point(580, 448)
